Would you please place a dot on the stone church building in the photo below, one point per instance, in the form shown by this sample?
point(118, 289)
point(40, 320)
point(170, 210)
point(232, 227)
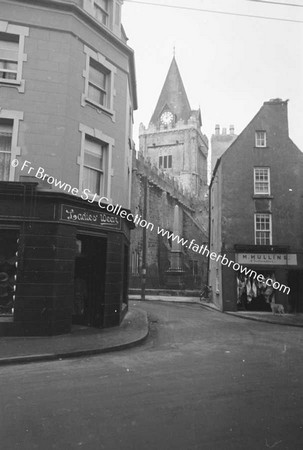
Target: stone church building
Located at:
point(169, 184)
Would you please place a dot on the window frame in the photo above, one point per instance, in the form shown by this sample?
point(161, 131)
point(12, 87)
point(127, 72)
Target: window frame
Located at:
point(15, 32)
point(165, 162)
point(259, 140)
point(15, 117)
point(105, 66)
point(101, 171)
point(263, 230)
point(97, 135)
point(268, 192)
point(105, 12)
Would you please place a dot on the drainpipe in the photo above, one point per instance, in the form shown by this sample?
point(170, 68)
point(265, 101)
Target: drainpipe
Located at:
point(143, 271)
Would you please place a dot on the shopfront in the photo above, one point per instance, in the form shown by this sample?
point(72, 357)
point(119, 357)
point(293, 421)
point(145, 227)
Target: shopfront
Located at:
point(63, 261)
point(273, 282)
point(257, 277)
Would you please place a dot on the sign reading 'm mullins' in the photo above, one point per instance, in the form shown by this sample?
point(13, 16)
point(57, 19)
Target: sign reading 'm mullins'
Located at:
point(83, 216)
point(273, 259)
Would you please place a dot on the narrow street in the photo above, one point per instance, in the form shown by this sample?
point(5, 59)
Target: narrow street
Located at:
point(203, 380)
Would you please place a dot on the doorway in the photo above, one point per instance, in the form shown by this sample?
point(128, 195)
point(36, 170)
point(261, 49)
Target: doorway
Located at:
point(89, 281)
point(295, 282)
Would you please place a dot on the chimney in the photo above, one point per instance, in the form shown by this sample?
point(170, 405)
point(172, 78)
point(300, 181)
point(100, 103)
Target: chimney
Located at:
point(231, 129)
point(217, 129)
point(224, 131)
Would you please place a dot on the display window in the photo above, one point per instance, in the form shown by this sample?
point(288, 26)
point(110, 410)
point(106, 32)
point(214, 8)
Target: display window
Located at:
point(8, 270)
point(254, 295)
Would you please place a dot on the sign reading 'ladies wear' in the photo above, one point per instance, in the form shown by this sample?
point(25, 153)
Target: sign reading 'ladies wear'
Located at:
point(83, 216)
point(274, 259)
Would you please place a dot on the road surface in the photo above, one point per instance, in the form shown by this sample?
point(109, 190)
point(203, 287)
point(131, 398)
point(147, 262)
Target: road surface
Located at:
point(203, 380)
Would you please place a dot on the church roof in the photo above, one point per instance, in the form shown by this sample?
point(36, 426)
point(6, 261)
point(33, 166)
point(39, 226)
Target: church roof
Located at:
point(173, 96)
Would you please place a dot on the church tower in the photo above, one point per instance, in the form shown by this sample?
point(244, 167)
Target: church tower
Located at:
point(173, 141)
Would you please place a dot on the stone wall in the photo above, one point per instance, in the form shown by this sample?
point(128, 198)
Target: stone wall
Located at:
point(163, 194)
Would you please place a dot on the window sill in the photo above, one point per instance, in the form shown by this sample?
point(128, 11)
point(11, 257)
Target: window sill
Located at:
point(265, 196)
point(13, 83)
point(100, 107)
point(261, 146)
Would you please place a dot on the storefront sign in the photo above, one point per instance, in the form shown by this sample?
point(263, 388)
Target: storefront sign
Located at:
point(269, 259)
point(83, 216)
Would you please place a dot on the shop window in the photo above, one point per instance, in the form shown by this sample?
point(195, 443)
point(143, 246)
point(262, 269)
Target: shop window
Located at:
point(94, 166)
point(8, 270)
point(12, 54)
point(95, 162)
point(6, 133)
point(263, 229)
point(99, 82)
point(262, 180)
point(260, 139)
point(254, 295)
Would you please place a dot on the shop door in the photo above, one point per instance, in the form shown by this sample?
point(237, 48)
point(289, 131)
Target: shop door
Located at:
point(295, 282)
point(89, 282)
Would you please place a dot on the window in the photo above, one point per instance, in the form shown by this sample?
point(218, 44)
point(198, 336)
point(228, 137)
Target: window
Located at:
point(260, 138)
point(101, 11)
point(165, 162)
point(263, 232)
point(93, 166)
point(193, 267)
point(6, 133)
point(9, 48)
point(12, 54)
point(135, 263)
point(99, 82)
point(9, 150)
point(262, 180)
point(95, 162)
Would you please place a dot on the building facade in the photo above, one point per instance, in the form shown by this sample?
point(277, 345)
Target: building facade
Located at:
point(220, 141)
point(170, 186)
point(68, 92)
point(256, 217)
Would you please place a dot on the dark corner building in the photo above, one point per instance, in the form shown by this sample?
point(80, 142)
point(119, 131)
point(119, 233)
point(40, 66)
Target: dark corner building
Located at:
point(256, 216)
point(68, 92)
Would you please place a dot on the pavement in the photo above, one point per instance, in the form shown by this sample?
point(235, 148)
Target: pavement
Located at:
point(91, 341)
point(295, 320)
point(82, 341)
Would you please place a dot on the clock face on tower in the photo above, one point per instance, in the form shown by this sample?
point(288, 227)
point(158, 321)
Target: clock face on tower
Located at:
point(167, 117)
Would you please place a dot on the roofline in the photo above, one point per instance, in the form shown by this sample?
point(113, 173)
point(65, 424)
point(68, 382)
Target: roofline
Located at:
point(97, 26)
point(215, 170)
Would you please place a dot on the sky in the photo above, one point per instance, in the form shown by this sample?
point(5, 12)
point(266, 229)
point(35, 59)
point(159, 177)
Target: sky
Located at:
point(229, 64)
